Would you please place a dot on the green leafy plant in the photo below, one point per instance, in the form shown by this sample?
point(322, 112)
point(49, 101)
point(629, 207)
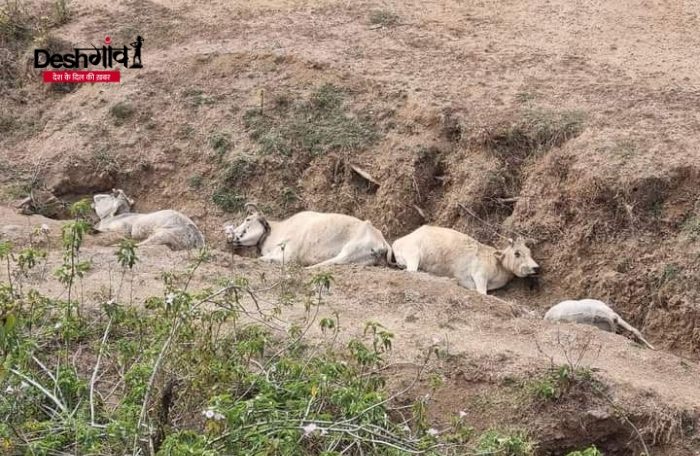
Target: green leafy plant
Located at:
point(72, 235)
point(6, 254)
point(221, 143)
point(127, 259)
point(228, 200)
point(516, 444)
point(590, 451)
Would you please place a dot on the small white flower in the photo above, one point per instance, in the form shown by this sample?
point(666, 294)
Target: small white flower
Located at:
point(433, 432)
point(9, 389)
point(44, 228)
point(309, 428)
point(170, 298)
point(209, 414)
point(462, 413)
point(58, 325)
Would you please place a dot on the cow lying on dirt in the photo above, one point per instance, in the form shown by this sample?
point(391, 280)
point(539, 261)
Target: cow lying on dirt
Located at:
point(166, 227)
point(446, 252)
point(311, 239)
point(592, 312)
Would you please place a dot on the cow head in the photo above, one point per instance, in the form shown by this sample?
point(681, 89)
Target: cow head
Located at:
point(252, 231)
point(518, 259)
point(110, 205)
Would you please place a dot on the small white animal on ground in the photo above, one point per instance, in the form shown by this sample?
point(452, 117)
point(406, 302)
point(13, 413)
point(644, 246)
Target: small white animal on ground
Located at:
point(311, 239)
point(449, 253)
point(166, 227)
point(111, 205)
point(592, 312)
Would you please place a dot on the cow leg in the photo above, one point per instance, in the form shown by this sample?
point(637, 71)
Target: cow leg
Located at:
point(276, 255)
point(412, 262)
point(341, 258)
point(351, 253)
point(157, 238)
point(481, 284)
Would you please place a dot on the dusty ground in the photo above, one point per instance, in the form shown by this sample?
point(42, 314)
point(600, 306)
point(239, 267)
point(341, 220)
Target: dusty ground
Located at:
point(574, 124)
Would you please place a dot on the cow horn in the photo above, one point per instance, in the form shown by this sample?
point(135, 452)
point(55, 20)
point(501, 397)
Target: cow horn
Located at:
point(248, 206)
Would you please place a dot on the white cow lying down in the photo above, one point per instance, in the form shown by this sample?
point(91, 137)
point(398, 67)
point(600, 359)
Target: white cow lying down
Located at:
point(311, 238)
point(592, 312)
point(165, 227)
point(446, 252)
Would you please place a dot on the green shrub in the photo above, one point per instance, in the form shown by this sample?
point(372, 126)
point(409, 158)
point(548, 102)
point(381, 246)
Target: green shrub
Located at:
point(315, 126)
point(494, 442)
point(590, 451)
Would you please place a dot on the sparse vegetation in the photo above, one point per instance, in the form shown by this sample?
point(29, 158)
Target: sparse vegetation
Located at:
point(196, 181)
point(315, 126)
point(559, 380)
point(228, 200)
point(383, 17)
point(17, 190)
point(624, 149)
point(525, 96)
point(122, 112)
point(16, 23)
point(220, 142)
point(590, 451)
point(516, 444)
point(104, 161)
point(196, 97)
point(238, 170)
point(8, 124)
point(536, 130)
point(185, 132)
point(669, 274)
point(691, 227)
point(289, 196)
point(62, 12)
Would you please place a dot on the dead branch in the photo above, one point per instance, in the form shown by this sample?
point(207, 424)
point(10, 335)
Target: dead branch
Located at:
point(364, 174)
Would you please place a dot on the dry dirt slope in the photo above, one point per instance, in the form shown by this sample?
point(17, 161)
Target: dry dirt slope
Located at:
point(574, 124)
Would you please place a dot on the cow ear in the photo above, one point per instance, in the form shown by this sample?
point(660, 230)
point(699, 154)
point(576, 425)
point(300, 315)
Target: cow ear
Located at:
point(498, 254)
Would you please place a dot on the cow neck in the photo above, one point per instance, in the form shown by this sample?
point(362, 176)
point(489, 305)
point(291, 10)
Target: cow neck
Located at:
point(264, 237)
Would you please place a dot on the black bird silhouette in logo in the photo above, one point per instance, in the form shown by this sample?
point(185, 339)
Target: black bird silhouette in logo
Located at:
point(137, 52)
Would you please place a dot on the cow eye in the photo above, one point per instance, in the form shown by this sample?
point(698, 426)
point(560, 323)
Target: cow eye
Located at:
point(517, 254)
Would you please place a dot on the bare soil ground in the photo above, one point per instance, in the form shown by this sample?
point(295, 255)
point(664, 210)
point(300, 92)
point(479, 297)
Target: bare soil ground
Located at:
point(573, 124)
